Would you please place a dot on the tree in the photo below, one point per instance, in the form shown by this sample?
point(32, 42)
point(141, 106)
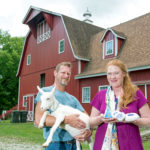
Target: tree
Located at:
point(10, 50)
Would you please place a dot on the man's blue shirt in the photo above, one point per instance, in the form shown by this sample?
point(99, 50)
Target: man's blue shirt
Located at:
point(65, 99)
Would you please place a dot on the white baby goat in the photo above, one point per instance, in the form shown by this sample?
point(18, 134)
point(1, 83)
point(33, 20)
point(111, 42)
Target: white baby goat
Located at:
point(59, 111)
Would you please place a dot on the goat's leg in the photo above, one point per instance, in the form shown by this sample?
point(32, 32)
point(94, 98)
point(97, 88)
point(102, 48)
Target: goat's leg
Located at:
point(53, 129)
point(90, 142)
point(78, 145)
point(41, 124)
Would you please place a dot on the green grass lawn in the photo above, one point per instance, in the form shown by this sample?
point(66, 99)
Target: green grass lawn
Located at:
point(29, 133)
point(23, 131)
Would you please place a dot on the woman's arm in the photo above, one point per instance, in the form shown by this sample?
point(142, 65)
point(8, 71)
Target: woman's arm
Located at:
point(95, 117)
point(144, 119)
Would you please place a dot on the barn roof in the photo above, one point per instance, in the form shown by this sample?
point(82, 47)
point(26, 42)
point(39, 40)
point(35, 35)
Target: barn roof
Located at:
point(135, 52)
point(79, 32)
point(86, 42)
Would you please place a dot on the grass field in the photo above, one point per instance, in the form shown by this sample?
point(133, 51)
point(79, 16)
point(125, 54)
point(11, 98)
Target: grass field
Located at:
point(28, 133)
point(25, 131)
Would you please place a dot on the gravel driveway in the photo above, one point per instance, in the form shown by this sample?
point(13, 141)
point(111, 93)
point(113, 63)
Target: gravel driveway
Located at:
point(15, 144)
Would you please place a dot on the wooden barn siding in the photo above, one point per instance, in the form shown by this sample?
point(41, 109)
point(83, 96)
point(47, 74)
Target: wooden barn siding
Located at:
point(142, 88)
point(32, 14)
point(44, 58)
point(73, 86)
point(45, 55)
point(93, 83)
point(141, 75)
point(120, 42)
point(144, 77)
point(83, 64)
point(148, 93)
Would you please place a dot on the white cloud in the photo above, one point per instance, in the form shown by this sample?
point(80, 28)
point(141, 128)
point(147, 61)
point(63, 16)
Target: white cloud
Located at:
point(105, 13)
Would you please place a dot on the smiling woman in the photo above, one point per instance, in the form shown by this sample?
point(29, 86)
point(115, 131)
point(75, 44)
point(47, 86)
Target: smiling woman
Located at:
point(115, 76)
point(121, 96)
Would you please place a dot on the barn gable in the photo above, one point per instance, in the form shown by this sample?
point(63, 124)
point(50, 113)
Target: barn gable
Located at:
point(112, 43)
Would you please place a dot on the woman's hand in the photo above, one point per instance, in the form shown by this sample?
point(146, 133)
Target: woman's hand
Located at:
point(97, 120)
point(108, 120)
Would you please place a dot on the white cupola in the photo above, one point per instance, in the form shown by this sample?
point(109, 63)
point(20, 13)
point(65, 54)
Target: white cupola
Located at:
point(87, 16)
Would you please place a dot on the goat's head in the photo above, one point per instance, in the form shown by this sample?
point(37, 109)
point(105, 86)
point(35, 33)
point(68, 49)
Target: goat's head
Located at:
point(47, 98)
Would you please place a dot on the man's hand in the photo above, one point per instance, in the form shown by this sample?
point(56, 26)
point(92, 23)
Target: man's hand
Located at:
point(75, 121)
point(85, 134)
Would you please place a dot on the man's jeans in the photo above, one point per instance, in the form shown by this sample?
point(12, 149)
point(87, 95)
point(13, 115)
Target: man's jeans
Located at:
point(61, 146)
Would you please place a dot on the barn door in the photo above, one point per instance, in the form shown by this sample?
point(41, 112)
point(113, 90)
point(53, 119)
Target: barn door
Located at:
point(30, 107)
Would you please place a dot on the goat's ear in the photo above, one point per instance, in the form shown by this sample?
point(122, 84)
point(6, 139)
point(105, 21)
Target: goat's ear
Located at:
point(40, 90)
point(53, 90)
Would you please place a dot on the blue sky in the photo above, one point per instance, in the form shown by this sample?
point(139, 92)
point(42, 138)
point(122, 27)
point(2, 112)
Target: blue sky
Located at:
point(105, 13)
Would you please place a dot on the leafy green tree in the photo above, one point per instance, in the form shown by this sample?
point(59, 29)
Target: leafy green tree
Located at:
point(10, 50)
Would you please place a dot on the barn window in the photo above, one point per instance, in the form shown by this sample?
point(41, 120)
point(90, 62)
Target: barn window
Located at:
point(24, 104)
point(42, 80)
point(43, 31)
point(102, 87)
point(86, 94)
point(28, 59)
point(144, 88)
point(109, 47)
point(61, 46)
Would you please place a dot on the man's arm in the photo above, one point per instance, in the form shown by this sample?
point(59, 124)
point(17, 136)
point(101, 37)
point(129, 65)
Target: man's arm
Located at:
point(74, 121)
point(85, 134)
point(50, 120)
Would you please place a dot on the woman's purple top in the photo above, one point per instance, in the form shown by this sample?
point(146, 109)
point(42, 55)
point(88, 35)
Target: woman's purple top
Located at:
point(128, 134)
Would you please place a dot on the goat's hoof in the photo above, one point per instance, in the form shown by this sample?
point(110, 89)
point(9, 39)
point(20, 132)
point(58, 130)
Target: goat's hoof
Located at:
point(40, 127)
point(45, 145)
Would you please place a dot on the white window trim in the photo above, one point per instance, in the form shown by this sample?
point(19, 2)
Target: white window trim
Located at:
point(112, 48)
point(104, 49)
point(59, 46)
point(116, 46)
point(89, 94)
point(79, 66)
point(28, 56)
point(101, 86)
point(45, 35)
point(24, 104)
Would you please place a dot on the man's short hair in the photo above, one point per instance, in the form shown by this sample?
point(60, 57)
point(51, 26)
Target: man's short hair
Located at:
point(68, 64)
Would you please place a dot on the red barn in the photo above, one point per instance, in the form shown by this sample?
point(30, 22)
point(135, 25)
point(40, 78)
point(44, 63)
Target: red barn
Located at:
point(54, 38)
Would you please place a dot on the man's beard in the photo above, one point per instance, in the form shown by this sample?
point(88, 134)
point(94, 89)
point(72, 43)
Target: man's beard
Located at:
point(64, 82)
